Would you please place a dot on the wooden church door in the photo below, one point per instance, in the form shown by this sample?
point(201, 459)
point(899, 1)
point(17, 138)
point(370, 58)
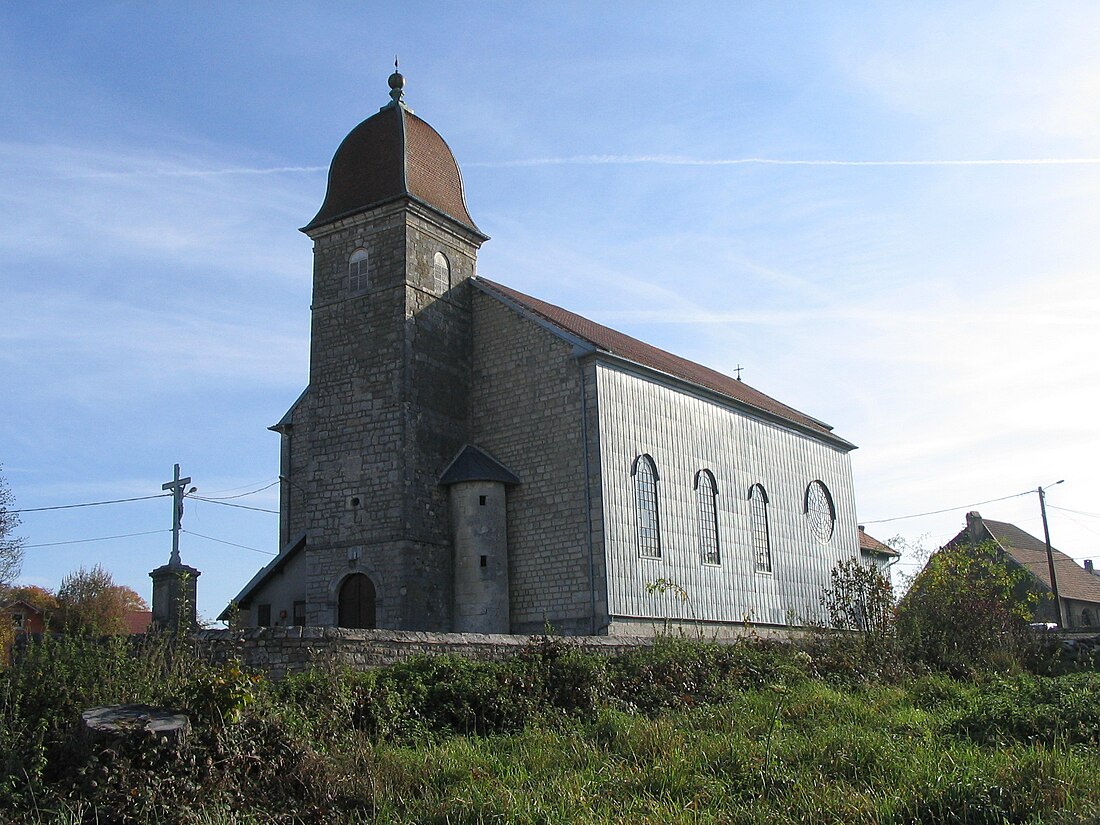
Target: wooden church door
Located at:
point(357, 602)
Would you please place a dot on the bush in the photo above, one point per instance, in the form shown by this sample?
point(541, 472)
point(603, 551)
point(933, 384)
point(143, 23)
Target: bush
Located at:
point(967, 612)
point(1050, 711)
point(447, 694)
point(677, 672)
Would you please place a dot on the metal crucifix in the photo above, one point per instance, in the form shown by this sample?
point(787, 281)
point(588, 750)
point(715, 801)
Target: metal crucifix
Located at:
point(178, 486)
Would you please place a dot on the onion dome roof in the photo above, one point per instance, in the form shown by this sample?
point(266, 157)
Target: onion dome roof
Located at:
point(391, 155)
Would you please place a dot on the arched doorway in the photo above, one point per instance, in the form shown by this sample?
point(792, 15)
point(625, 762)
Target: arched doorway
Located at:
point(357, 602)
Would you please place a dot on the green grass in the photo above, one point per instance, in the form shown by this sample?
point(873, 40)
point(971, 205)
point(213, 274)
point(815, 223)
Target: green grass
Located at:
point(687, 735)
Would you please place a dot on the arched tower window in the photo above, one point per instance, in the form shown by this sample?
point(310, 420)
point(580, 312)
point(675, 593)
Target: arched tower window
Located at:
point(646, 508)
point(357, 271)
point(357, 602)
point(441, 273)
point(761, 539)
point(817, 504)
point(706, 500)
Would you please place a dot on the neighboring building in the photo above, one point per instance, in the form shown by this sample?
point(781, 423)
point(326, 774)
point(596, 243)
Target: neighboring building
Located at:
point(875, 553)
point(137, 622)
point(1078, 587)
point(467, 457)
point(23, 617)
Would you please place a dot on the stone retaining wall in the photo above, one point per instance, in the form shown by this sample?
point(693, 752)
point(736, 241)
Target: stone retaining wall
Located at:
point(282, 650)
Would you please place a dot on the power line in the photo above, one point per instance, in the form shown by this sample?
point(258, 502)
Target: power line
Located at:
point(1078, 512)
point(231, 544)
point(227, 504)
point(239, 495)
point(88, 504)
point(215, 493)
point(949, 509)
point(101, 538)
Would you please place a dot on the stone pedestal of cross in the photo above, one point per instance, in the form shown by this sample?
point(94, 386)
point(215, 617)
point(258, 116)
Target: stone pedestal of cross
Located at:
point(175, 584)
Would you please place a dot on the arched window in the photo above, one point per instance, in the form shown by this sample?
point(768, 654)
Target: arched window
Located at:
point(820, 512)
point(357, 602)
point(645, 505)
point(706, 494)
point(357, 271)
point(758, 517)
point(441, 273)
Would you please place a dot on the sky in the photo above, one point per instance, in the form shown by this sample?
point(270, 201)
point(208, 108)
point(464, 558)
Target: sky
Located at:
point(885, 213)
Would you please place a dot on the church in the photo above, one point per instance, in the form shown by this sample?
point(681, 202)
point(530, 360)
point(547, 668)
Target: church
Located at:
point(469, 458)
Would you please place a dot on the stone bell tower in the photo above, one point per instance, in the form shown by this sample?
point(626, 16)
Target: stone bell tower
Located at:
point(386, 406)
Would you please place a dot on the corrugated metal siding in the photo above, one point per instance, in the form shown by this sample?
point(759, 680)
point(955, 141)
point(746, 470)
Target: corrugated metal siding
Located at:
point(684, 434)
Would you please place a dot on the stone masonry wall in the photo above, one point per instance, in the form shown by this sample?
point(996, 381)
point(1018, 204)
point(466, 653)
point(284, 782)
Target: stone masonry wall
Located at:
point(283, 650)
point(385, 413)
point(525, 410)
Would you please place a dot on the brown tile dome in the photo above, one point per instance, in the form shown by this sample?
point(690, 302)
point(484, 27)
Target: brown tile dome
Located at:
point(391, 155)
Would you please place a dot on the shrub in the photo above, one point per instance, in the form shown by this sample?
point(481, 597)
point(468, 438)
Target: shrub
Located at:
point(966, 612)
point(1051, 711)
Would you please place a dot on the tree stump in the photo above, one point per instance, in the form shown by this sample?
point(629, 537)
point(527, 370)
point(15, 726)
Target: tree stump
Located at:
point(115, 725)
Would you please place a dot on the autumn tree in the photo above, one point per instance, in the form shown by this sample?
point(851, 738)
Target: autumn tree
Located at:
point(11, 546)
point(92, 604)
point(967, 610)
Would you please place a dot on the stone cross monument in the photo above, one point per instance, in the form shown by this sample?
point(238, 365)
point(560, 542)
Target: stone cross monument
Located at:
point(175, 583)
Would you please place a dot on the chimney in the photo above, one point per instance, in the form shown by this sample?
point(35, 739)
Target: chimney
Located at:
point(975, 527)
point(1088, 567)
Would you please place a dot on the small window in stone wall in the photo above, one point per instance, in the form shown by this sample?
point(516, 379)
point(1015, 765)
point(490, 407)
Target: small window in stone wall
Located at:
point(358, 265)
point(263, 615)
point(441, 273)
point(299, 614)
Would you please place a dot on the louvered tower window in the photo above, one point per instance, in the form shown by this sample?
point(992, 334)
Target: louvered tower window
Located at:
point(441, 273)
point(357, 271)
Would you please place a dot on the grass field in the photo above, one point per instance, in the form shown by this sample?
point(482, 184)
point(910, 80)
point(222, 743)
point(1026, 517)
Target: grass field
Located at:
point(687, 733)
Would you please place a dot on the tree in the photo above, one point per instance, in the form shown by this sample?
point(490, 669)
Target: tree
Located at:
point(859, 598)
point(32, 594)
point(967, 610)
point(11, 547)
point(92, 604)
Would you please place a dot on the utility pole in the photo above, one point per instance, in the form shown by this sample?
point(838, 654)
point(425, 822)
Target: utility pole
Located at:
point(177, 485)
point(1050, 553)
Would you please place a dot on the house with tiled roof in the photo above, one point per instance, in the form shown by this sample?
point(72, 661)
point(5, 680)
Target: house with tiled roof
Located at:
point(1078, 587)
point(878, 554)
point(468, 457)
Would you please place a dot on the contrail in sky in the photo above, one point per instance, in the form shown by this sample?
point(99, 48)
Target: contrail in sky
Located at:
point(597, 160)
point(678, 160)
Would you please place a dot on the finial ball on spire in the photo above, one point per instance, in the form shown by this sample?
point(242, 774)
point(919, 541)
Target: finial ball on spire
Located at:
point(397, 84)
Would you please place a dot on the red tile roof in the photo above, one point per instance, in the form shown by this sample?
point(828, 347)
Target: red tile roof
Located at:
point(873, 545)
point(617, 343)
point(1074, 582)
point(137, 621)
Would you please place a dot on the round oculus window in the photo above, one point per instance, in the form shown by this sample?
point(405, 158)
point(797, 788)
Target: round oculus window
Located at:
point(819, 511)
